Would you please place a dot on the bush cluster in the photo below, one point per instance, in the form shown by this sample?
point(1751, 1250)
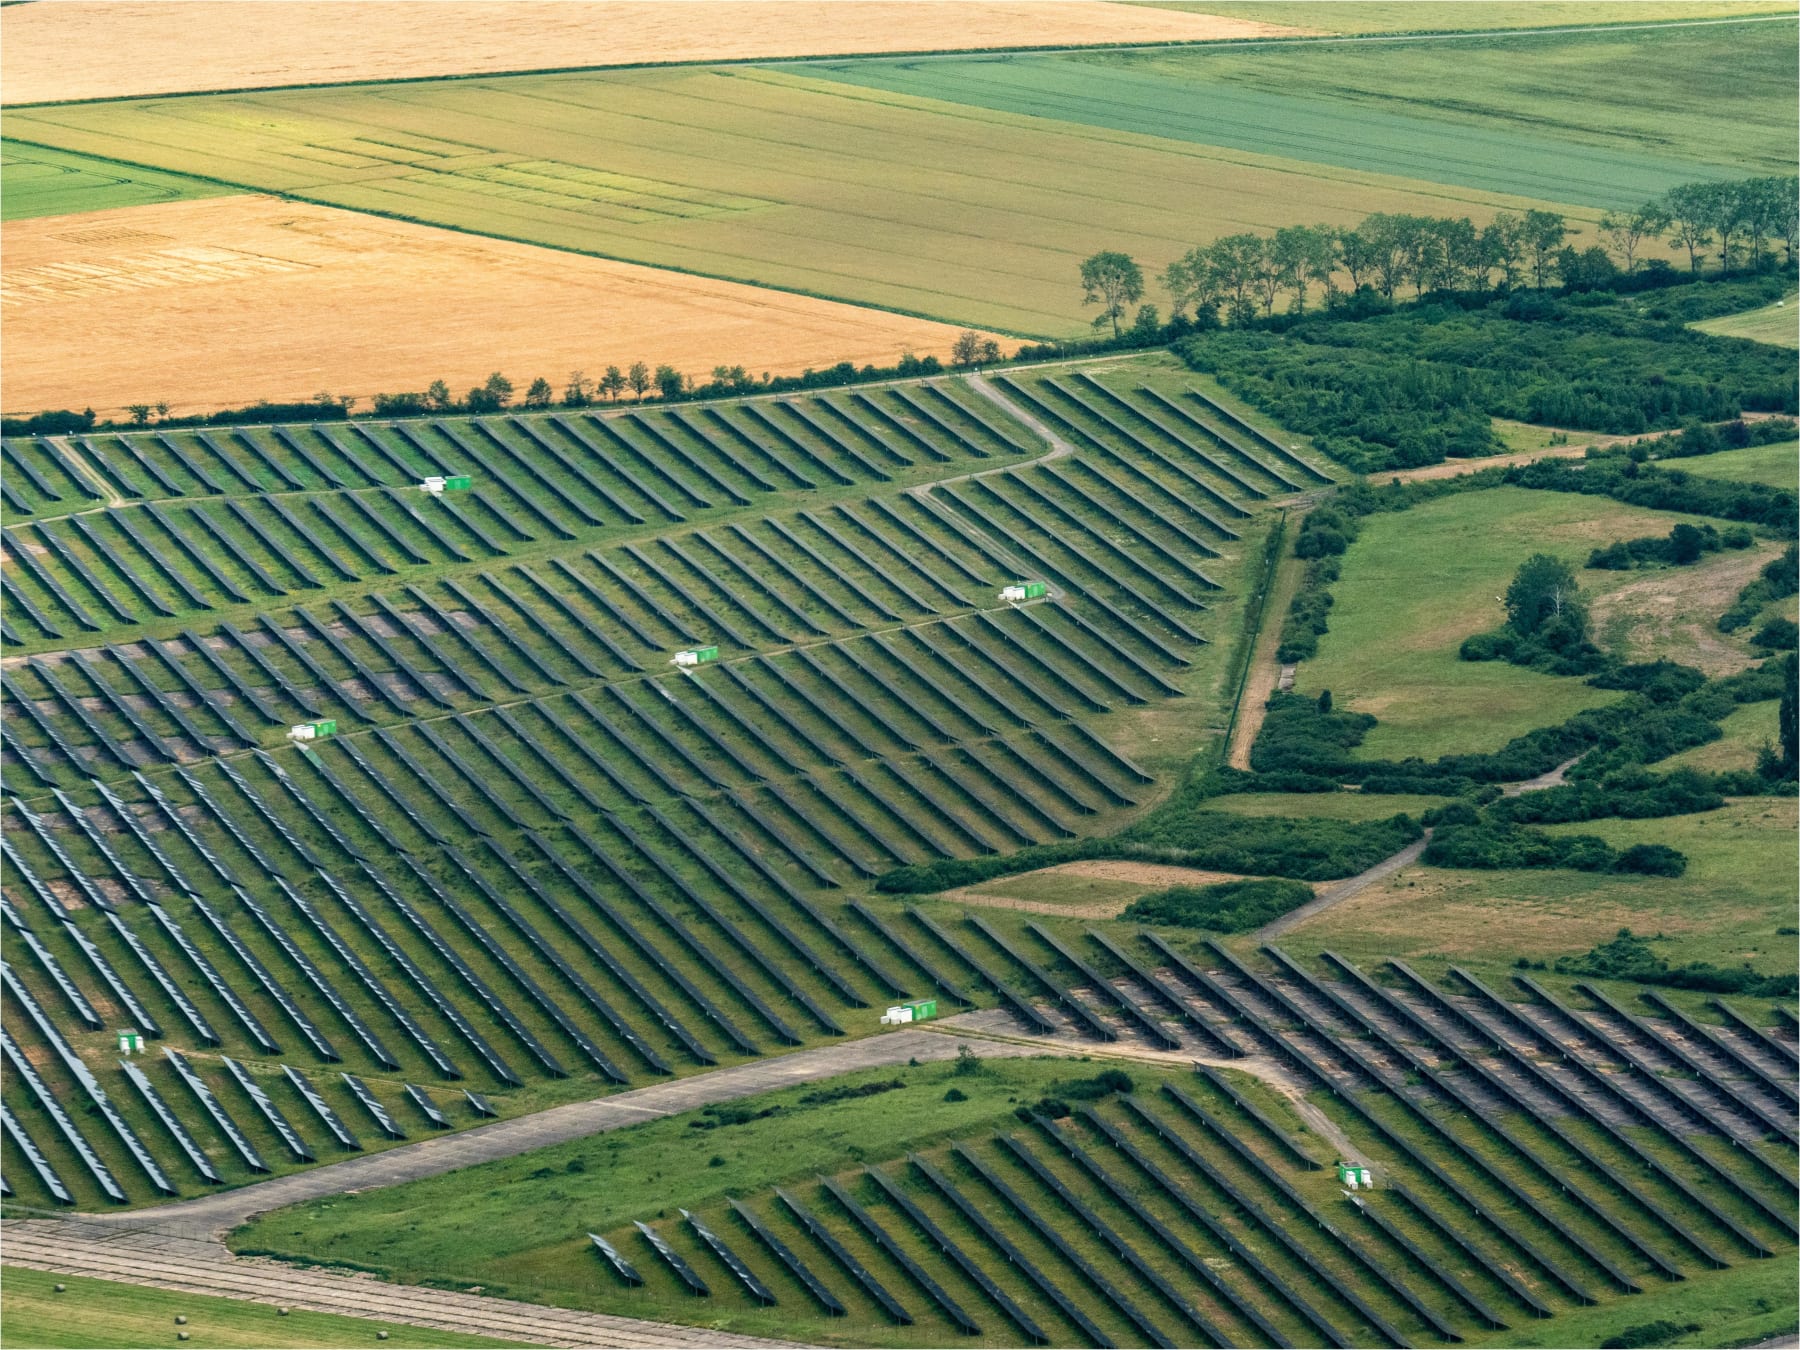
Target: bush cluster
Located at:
point(1629, 957)
point(1633, 794)
point(1420, 385)
point(1779, 578)
point(1055, 1104)
point(1487, 846)
point(1683, 546)
point(1636, 482)
point(1226, 907)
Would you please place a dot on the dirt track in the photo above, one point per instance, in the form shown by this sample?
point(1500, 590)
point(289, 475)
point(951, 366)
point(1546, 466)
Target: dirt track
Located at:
point(198, 1266)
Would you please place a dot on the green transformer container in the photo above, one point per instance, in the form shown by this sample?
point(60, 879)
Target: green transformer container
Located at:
point(922, 1008)
point(457, 482)
point(328, 727)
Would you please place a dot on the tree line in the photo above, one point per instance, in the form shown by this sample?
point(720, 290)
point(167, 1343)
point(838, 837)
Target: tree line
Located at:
point(1240, 277)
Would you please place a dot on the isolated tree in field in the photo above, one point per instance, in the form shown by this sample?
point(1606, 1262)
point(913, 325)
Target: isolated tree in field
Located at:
point(539, 393)
point(638, 377)
point(1626, 231)
point(668, 381)
point(1690, 211)
point(578, 392)
point(437, 394)
point(1543, 233)
point(612, 383)
point(1544, 592)
point(966, 350)
point(1112, 281)
point(140, 413)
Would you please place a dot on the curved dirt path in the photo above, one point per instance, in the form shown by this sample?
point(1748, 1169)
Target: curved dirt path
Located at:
point(212, 1215)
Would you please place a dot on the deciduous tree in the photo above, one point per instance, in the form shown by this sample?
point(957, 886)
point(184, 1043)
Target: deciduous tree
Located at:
point(1111, 280)
point(638, 377)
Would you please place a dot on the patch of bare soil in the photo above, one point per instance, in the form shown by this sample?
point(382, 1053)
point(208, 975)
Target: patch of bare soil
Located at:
point(1673, 612)
point(1107, 910)
point(70, 51)
point(1150, 874)
point(336, 290)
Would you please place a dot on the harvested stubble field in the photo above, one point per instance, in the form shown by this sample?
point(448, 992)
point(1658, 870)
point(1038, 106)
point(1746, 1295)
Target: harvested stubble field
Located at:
point(213, 303)
point(56, 52)
point(767, 176)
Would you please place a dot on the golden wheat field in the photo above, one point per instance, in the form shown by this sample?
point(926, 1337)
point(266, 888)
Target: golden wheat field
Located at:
point(106, 50)
point(219, 302)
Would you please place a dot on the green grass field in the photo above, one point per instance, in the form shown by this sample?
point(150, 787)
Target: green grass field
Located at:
point(1774, 324)
point(1737, 892)
point(1325, 805)
point(104, 1313)
point(1746, 732)
point(518, 1227)
point(1417, 583)
point(36, 181)
point(1532, 95)
point(1775, 465)
point(1471, 113)
point(755, 174)
point(1441, 16)
point(1063, 888)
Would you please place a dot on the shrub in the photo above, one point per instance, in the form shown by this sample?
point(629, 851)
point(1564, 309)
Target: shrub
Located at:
point(1225, 907)
point(956, 1095)
point(1651, 860)
point(1629, 957)
point(1777, 635)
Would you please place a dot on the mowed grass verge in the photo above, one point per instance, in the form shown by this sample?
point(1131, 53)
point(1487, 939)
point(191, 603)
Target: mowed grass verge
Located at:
point(37, 181)
point(1738, 891)
point(1418, 582)
point(755, 174)
point(105, 1313)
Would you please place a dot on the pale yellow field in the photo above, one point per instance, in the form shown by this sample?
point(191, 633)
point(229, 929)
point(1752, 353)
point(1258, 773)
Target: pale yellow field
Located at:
point(219, 302)
point(52, 52)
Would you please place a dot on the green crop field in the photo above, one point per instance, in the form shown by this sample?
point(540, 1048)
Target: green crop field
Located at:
point(1774, 324)
point(37, 181)
point(1445, 16)
point(755, 174)
point(1416, 584)
point(1532, 117)
point(1535, 96)
point(103, 1314)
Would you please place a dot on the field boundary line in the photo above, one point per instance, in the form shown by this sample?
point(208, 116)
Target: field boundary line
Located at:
point(939, 54)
